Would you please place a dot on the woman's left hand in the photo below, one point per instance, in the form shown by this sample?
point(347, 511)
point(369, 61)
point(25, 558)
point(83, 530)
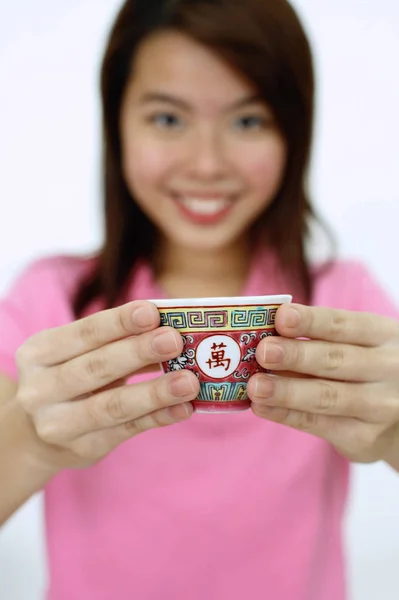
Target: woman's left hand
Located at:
point(340, 384)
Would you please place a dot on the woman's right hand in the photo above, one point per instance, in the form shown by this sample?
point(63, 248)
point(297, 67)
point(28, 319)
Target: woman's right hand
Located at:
point(72, 384)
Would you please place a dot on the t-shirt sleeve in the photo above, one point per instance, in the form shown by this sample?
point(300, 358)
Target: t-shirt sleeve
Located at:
point(350, 285)
point(33, 302)
point(370, 294)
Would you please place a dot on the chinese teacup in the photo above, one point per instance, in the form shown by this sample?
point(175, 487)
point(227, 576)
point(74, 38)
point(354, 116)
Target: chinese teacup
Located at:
point(220, 340)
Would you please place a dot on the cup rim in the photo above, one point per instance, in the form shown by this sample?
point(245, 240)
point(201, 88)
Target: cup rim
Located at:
point(223, 301)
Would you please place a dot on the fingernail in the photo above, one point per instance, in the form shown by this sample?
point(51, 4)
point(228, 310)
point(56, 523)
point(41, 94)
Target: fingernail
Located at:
point(179, 412)
point(181, 386)
point(165, 342)
point(264, 388)
point(273, 353)
point(293, 318)
point(145, 316)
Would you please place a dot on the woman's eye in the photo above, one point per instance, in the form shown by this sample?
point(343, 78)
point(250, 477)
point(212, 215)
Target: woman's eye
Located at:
point(250, 122)
point(166, 120)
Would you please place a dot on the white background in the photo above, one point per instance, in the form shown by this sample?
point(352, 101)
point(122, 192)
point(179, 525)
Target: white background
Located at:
point(49, 201)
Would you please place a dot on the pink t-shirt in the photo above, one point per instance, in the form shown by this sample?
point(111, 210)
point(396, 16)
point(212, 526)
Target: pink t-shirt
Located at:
point(217, 507)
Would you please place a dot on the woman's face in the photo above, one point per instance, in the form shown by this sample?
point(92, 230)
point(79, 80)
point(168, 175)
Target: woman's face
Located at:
point(202, 155)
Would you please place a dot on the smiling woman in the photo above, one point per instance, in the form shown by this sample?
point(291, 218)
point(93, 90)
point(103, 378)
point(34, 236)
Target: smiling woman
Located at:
point(208, 117)
point(205, 143)
point(203, 160)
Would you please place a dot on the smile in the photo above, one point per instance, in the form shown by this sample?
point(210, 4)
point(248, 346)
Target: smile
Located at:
point(204, 209)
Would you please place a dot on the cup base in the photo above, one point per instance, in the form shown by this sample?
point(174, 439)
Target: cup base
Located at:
point(201, 407)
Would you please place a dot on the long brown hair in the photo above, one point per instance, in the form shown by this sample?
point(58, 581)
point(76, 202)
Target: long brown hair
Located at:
point(260, 39)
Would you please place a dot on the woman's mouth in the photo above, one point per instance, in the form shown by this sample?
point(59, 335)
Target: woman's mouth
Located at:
point(204, 209)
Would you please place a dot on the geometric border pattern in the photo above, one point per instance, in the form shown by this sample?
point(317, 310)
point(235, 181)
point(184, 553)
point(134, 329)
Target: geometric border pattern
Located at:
point(202, 319)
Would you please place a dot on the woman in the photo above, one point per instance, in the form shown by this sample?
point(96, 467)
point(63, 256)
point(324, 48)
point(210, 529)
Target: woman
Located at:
point(208, 112)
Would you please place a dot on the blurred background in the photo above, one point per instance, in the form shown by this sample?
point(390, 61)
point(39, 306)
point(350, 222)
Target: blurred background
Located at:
point(50, 149)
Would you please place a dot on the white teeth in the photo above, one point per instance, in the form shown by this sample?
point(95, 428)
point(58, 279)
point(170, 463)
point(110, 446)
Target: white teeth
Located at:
point(205, 207)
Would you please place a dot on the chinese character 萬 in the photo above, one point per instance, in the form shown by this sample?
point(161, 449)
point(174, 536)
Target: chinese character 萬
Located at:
point(218, 357)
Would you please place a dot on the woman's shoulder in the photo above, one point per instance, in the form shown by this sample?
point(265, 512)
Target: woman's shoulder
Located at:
point(351, 284)
point(55, 271)
point(342, 270)
point(43, 290)
point(38, 297)
point(71, 264)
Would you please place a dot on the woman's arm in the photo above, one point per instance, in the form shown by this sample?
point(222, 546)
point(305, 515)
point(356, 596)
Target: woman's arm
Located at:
point(21, 474)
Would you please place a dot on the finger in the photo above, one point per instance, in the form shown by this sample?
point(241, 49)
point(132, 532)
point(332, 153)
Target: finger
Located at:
point(326, 360)
point(352, 438)
point(96, 445)
point(58, 345)
point(347, 327)
point(62, 423)
point(100, 367)
point(371, 402)
point(118, 383)
point(323, 426)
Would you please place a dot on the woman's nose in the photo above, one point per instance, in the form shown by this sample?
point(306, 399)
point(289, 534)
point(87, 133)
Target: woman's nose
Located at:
point(207, 158)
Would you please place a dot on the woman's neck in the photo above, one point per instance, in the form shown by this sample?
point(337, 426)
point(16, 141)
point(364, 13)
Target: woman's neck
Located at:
point(186, 273)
